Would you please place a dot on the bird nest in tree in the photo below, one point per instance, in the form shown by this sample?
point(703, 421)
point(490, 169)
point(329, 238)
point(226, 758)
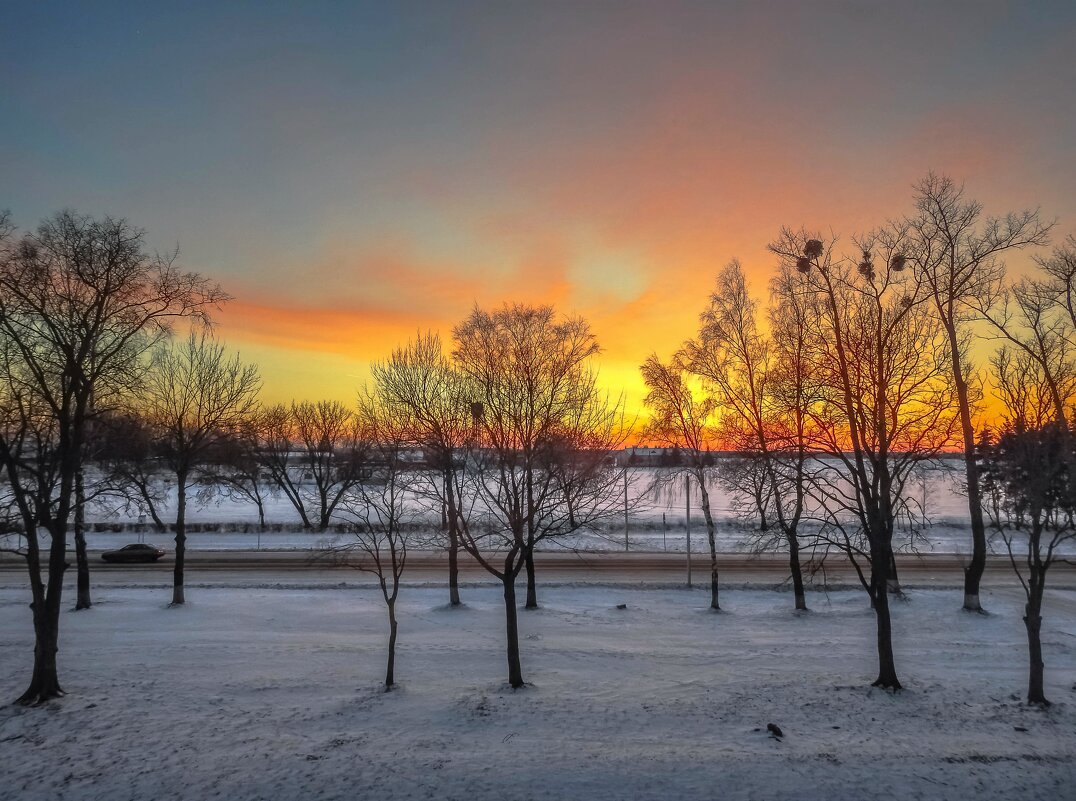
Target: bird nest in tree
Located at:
point(898, 262)
point(803, 264)
point(813, 248)
point(866, 267)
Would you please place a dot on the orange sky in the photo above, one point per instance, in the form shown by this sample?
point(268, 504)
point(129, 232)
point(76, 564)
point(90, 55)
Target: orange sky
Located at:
point(355, 175)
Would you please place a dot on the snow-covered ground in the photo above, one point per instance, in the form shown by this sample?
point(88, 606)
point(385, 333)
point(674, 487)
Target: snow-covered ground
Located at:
point(656, 522)
point(274, 694)
point(938, 491)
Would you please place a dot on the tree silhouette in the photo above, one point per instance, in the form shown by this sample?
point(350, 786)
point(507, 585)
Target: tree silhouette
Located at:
point(536, 404)
point(194, 398)
point(885, 402)
point(80, 303)
point(956, 254)
point(1032, 474)
point(419, 382)
point(683, 416)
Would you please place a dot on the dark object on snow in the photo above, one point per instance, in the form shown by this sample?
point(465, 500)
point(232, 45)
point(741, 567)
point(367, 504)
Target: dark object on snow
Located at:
point(1018, 728)
point(139, 552)
point(775, 730)
point(621, 606)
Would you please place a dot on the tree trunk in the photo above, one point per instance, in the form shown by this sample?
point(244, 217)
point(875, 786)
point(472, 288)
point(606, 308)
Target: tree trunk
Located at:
point(532, 592)
point(181, 539)
point(323, 506)
point(887, 670)
point(453, 566)
point(893, 580)
point(453, 542)
point(45, 681)
point(300, 507)
point(515, 671)
point(1033, 624)
point(973, 573)
point(390, 679)
point(82, 593)
point(711, 535)
point(796, 570)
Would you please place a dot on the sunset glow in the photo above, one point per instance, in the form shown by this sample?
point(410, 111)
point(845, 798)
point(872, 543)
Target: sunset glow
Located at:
point(515, 399)
point(355, 176)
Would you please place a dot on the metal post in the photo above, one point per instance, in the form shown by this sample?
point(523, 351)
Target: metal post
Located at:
point(664, 533)
point(687, 503)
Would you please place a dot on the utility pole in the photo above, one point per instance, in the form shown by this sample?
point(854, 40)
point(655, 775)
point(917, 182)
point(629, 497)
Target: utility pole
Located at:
point(625, 508)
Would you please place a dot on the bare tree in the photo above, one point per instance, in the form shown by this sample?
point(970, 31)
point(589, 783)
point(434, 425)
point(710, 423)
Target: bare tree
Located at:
point(279, 454)
point(1027, 401)
point(312, 452)
point(1033, 474)
point(1036, 319)
point(419, 382)
point(80, 303)
point(237, 467)
point(328, 432)
point(684, 416)
point(762, 391)
point(193, 396)
point(130, 456)
point(886, 402)
point(744, 478)
point(27, 435)
point(957, 254)
point(381, 506)
point(534, 390)
point(30, 448)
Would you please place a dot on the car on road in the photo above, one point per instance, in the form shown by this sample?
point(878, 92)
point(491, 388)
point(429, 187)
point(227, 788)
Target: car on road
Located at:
point(138, 552)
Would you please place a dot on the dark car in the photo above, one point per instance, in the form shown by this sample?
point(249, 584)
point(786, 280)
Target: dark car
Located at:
point(139, 552)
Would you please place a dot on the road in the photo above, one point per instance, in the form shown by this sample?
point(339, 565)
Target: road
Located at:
point(307, 568)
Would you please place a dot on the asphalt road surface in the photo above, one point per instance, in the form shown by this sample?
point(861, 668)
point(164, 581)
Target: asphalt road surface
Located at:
point(240, 568)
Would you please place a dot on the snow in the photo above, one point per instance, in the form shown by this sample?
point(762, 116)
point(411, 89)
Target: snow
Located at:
point(730, 537)
point(227, 523)
point(273, 693)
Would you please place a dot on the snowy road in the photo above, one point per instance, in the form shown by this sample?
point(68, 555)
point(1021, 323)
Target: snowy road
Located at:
point(310, 568)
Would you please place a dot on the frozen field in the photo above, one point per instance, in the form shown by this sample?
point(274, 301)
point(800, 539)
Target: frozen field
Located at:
point(731, 537)
point(656, 522)
point(274, 694)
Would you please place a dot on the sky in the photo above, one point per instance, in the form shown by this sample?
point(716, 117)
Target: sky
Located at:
point(356, 173)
